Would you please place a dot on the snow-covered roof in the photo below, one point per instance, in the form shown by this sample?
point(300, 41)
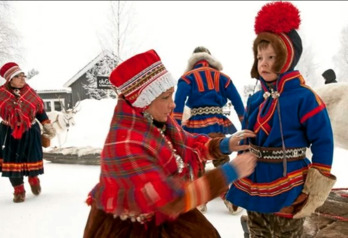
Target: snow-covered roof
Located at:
point(66, 90)
point(88, 67)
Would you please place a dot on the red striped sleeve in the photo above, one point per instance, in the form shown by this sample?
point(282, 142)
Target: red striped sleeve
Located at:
point(313, 112)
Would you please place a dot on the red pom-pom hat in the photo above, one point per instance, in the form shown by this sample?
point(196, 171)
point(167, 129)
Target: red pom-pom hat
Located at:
point(142, 78)
point(277, 23)
point(277, 17)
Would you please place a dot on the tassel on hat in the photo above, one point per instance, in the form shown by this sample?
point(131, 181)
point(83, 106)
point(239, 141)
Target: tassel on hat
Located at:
point(142, 78)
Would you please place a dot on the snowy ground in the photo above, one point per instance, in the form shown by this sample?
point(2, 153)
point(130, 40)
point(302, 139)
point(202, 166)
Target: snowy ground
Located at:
point(60, 211)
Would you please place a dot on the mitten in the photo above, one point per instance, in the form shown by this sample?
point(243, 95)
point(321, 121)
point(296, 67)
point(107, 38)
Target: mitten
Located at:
point(317, 186)
point(48, 130)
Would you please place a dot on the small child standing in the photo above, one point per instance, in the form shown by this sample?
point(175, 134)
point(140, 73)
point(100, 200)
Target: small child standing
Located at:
point(287, 117)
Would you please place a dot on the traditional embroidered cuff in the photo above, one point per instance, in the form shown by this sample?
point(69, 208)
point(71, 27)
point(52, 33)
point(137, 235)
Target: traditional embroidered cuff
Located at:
point(225, 146)
point(229, 172)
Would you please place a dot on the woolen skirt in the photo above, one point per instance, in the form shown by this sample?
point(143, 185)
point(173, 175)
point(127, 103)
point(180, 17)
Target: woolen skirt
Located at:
point(21, 157)
point(188, 225)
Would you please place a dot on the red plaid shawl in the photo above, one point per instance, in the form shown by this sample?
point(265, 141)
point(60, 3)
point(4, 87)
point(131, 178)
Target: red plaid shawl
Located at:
point(138, 169)
point(19, 112)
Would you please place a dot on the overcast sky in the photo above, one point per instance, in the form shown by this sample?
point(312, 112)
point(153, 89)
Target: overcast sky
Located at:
point(61, 37)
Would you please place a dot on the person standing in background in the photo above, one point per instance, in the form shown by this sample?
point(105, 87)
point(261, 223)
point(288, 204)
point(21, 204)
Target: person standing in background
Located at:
point(206, 90)
point(20, 134)
point(329, 76)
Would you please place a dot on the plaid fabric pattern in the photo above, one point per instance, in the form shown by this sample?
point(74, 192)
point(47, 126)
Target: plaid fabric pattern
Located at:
point(138, 169)
point(20, 111)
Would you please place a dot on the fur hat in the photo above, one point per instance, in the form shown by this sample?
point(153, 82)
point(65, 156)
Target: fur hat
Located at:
point(142, 78)
point(202, 53)
point(9, 70)
point(277, 23)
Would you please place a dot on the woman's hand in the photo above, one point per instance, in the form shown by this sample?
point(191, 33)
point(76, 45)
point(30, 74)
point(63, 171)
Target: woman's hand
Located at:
point(48, 130)
point(244, 164)
point(237, 137)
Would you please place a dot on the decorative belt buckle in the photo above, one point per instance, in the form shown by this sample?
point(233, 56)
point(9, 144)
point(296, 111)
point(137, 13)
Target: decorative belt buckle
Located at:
point(256, 152)
point(295, 153)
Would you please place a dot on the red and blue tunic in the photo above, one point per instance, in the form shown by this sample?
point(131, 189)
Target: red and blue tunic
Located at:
point(305, 123)
point(204, 86)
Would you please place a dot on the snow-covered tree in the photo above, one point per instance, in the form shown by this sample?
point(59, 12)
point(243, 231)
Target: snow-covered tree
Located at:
point(31, 73)
point(9, 39)
point(102, 68)
point(250, 89)
point(341, 59)
point(308, 67)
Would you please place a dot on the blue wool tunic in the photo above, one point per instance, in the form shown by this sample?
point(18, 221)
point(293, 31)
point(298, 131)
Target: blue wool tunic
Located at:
point(204, 86)
point(305, 123)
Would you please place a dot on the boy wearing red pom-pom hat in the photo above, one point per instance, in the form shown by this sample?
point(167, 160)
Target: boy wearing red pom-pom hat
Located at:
point(288, 117)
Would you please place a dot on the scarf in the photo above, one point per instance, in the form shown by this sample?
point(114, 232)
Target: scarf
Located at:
point(18, 107)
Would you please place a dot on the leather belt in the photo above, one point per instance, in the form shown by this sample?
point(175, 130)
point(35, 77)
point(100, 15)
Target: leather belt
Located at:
point(276, 154)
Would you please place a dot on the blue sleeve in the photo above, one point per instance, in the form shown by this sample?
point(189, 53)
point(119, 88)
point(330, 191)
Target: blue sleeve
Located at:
point(229, 172)
point(236, 100)
point(181, 95)
point(41, 116)
point(316, 121)
point(225, 146)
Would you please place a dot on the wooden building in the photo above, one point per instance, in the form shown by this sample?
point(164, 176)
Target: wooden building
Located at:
point(76, 88)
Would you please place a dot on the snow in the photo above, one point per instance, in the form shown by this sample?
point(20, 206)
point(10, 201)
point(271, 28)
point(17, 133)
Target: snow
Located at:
point(60, 210)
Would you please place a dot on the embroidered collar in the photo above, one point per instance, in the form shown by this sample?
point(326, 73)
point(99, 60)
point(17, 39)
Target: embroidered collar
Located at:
point(201, 63)
point(271, 94)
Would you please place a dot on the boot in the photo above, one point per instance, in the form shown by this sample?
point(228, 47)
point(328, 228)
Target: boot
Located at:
point(19, 194)
point(35, 185)
point(233, 209)
point(244, 221)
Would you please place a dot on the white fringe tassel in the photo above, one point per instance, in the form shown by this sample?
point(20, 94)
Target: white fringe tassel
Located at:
point(153, 90)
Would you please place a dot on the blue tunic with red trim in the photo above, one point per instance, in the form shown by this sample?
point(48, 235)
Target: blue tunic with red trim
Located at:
point(305, 123)
point(204, 86)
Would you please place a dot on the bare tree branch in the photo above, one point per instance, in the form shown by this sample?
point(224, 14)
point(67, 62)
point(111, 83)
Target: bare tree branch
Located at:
point(118, 29)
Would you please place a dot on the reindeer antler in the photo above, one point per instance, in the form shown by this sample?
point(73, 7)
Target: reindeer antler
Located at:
point(61, 103)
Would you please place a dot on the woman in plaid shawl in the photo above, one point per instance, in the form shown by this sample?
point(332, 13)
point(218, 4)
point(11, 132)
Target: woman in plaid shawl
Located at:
point(20, 136)
point(148, 185)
